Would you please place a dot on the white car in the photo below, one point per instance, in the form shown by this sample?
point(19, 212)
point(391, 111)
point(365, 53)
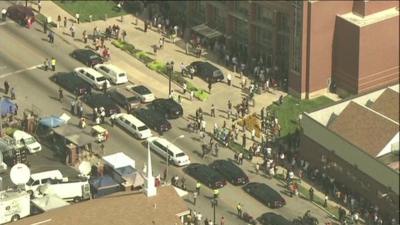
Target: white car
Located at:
point(113, 73)
point(132, 125)
point(143, 92)
point(167, 149)
point(26, 140)
point(93, 77)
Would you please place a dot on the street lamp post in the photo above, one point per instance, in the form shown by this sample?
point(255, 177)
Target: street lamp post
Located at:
point(214, 203)
point(167, 158)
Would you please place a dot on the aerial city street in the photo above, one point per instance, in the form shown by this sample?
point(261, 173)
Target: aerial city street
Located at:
point(199, 112)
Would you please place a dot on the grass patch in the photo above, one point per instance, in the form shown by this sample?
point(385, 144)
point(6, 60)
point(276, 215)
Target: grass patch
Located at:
point(157, 66)
point(98, 9)
point(202, 95)
point(288, 113)
point(143, 57)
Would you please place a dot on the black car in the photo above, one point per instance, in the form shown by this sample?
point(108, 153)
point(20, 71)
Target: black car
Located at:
point(265, 194)
point(101, 100)
point(271, 218)
point(230, 171)
point(207, 71)
point(205, 175)
point(167, 107)
point(72, 83)
point(152, 119)
point(125, 98)
point(87, 57)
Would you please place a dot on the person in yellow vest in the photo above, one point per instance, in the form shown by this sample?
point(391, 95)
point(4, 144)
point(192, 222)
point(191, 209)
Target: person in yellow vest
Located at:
point(239, 210)
point(198, 185)
point(53, 63)
point(216, 193)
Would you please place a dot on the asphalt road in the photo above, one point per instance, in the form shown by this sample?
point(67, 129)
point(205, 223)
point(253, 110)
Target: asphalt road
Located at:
point(23, 49)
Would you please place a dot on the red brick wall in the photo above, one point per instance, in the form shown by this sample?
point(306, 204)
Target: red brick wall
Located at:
point(323, 17)
point(379, 55)
point(346, 53)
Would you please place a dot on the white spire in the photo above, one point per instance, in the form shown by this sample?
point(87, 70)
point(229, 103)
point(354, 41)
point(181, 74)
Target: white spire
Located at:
point(150, 188)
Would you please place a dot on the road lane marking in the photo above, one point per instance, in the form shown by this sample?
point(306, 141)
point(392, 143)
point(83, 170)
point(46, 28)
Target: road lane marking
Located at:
point(20, 71)
point(41, 222)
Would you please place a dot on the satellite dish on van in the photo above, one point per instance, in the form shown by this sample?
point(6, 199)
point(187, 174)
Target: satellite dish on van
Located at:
point(85, 168)
point(20, 174)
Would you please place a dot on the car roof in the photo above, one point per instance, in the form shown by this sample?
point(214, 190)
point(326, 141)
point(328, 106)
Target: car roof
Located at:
point(111, 67)
point(275, 218)
point(175, 149)
point(204, 169)
point(141, 88)
point(99, 99)
point(207, 65)
point(229, 166)
point(167, 102)
point(150, 114)
point(124, 92)
point(264, 189)
point(131, 119)
point(89, 70)
point(69, 78)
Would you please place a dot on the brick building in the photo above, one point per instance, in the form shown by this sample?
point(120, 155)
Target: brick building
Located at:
point(313, 44)
point(356, 143)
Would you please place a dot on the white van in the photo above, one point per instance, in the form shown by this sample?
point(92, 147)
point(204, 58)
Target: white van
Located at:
point(91, 76)
point(41, 178)
point(26, 140)
point(133, 125)
point(166, 148)
point(113, 73)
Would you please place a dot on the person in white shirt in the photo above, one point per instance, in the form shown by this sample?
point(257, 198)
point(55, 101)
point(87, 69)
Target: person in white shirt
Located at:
point(229, 79)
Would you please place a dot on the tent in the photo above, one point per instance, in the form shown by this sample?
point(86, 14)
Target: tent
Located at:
point(51, 121)
point(207, 32)
point(7, 106)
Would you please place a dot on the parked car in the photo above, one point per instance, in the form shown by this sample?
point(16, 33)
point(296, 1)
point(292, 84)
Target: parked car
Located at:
point(101, 100)
point(87, 56)
point(72, 83)
point(152, 119)
point(265, 194)
point(26, 140)
point(94, 78)
point(271, 218)
point(125, 98)
point(143, 92)
point(207, 71)
point(230, 171)
point(168, 149)
point(205, 175)
point(167, 107)
point(133, 125)
point(20, 14)
point(113, 73)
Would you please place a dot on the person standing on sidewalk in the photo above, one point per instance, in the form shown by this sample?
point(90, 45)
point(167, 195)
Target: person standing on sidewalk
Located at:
point(45, 25)
point(229, 108)
point(198, 186)
point(123, 35)
point(6, 87)
point(184, 87)
point(229, 79)
point(311, 194)
point(65, 21)
point(72, 30)
point(212, 110)
point(239, 210)
point(77, 18)
point(244, 140)
point(12, 92)
point(53, 64)
point(257, 168)
point(58, 21)
point(194, 197)
point(326, 201)
point(60, 94)
point(45, 64)
point(85, 37)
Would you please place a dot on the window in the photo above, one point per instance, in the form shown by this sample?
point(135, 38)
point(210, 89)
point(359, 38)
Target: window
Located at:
point(297, 36)
point(263, 36)
point(264, 15)
point(105, 69)
point(242, 7)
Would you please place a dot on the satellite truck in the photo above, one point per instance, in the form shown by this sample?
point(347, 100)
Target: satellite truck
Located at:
point(15, 204)
point(53, 183)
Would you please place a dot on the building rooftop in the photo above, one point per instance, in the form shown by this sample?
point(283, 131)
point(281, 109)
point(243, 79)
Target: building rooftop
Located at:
point(361, 21)
point(387, 104)
point(124, 208)
point(365, 128)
